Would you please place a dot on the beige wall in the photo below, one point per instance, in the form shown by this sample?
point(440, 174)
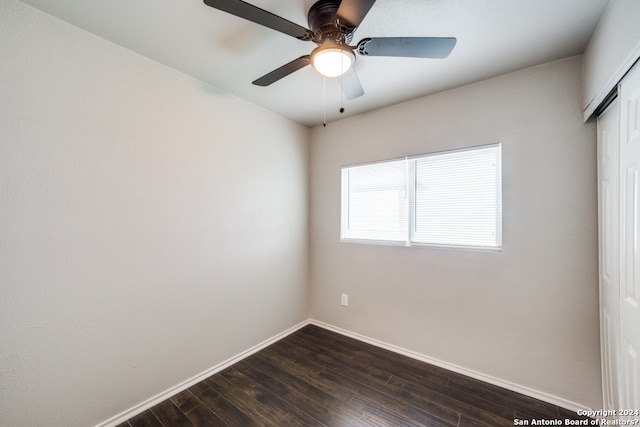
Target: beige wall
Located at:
point(527, 315)
point(612, 50)
point(150, 226)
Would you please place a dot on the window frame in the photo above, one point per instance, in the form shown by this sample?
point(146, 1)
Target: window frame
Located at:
point(408, 237)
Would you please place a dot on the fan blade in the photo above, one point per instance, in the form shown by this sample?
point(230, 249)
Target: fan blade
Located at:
point(351, 86)
point(352, 12)
point(283, 71)
point(412, 47)
point(260, 16)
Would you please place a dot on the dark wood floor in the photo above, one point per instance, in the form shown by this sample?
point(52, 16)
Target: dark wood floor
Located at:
point(315, 377)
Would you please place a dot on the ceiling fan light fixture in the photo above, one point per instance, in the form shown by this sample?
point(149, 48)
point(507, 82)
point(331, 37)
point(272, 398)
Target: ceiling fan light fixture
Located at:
point(332, 59)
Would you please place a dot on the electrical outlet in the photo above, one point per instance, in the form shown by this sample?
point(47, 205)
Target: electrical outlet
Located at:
point(344, 300)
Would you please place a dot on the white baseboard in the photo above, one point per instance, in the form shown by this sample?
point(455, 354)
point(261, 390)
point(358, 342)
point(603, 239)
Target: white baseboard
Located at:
point(546, 397)
point(141, 407)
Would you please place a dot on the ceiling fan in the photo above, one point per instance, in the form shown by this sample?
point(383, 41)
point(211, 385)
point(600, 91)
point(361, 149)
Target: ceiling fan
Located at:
point(332, 24)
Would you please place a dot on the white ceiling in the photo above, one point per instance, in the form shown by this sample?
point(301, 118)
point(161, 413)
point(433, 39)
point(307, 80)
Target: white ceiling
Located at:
point(494, 37)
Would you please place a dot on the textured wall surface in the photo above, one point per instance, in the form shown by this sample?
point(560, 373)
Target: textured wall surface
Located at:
point(612, 50)
point(527, 315)
point(150, 226)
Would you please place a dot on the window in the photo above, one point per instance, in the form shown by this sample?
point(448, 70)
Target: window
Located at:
point(445, 199)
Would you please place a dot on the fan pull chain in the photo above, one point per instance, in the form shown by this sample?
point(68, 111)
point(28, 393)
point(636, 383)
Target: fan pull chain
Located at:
point(342, 84)
point(342, 94)
point(324, 101)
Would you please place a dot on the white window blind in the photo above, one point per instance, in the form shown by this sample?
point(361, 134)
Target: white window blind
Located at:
point(457, 198)
point(445, 199)
point(376, 201)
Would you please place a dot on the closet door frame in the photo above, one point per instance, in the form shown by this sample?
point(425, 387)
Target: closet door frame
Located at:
point(619, 245)
point(608, 230)
point(629, 214)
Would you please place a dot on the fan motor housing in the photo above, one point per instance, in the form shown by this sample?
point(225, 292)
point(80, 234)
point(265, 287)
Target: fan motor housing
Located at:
point(322, 21)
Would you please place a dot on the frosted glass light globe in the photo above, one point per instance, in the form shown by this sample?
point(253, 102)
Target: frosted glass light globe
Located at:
point(332, 59)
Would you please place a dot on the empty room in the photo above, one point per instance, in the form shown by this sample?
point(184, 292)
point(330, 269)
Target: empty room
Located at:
point(319, 213)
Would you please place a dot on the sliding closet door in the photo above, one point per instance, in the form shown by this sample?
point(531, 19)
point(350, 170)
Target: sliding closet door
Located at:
point(608, 142)
point(629, 93)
